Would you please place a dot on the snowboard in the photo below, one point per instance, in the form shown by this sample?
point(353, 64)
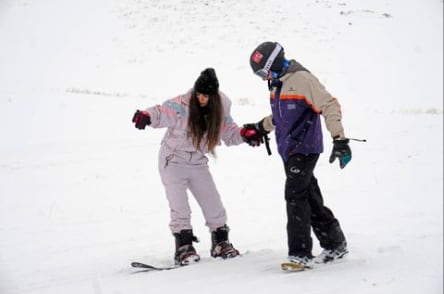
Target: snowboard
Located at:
point(293, 267)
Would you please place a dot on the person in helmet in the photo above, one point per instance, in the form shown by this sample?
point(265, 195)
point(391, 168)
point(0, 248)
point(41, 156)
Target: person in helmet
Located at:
point(297, 101)
point(196, 123)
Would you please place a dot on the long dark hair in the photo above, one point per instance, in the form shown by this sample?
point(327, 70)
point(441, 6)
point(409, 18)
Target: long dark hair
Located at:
point(205, 121)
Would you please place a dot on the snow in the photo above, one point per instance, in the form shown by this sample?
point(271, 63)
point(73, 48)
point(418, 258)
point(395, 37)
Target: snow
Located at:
point(80, 194)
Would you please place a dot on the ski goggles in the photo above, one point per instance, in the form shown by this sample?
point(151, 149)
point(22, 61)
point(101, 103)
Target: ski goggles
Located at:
point(262, 73)
point(265, 71)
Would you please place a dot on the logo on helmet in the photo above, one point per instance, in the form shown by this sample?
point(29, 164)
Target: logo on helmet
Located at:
point(257, 57)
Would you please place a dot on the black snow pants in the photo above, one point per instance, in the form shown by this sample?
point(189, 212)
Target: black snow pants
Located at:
point(306, 210)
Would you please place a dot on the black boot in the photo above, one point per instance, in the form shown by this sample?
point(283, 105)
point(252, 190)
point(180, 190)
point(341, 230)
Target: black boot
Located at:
point(185, 252)
point(220, 245)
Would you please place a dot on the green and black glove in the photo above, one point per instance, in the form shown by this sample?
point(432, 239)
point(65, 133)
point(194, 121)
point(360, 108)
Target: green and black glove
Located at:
point(342, 151)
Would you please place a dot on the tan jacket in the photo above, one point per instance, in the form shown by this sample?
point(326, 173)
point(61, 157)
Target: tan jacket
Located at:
point(308, 87)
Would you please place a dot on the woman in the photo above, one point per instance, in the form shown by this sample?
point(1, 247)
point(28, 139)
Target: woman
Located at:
point(197, 121)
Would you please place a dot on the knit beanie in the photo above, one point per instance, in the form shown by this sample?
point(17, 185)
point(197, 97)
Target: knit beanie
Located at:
point(207, 82)
point(261, 54)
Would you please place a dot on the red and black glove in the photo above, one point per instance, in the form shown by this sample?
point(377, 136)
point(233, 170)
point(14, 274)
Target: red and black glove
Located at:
point(251, 135)
point(141, 119)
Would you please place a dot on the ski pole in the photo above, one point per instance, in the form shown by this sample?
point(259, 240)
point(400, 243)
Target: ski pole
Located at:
point(267, 143)
point(359, 140)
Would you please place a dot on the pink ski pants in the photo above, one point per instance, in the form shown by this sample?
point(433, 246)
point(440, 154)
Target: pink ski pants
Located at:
point(178, 179)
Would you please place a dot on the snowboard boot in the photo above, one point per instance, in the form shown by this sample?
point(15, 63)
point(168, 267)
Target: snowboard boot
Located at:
point(185, 252)
point(328, 255)
point(220, 246)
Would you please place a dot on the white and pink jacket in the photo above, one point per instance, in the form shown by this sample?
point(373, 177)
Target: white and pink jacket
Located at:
point(173, 114)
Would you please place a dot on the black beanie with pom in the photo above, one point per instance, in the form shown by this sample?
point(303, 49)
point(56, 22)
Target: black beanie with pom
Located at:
point(207, 82)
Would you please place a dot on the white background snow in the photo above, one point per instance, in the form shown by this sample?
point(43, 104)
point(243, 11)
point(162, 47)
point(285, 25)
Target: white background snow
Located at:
point(80, 196)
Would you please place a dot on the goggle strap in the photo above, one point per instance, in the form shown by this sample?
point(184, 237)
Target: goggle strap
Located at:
point(272, 56)
point(286, 65)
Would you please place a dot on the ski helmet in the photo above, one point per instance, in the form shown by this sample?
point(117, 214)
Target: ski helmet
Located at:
point(267, 56)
